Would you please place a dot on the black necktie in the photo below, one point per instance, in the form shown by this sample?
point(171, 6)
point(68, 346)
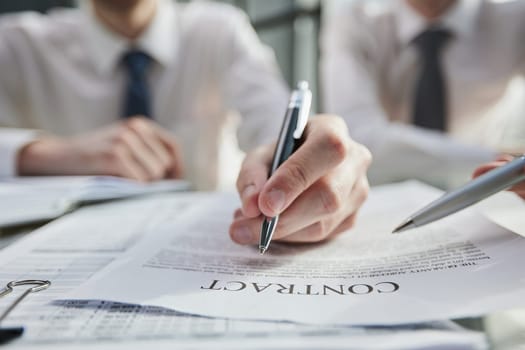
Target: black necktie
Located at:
point(430, 105)
point(138, 99)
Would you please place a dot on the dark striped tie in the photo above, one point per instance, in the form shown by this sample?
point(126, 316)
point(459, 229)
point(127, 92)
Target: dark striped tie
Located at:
point(430, 105)
point(138, 98)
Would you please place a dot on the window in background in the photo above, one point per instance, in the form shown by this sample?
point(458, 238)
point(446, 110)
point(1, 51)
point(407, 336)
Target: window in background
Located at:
point(291, 28)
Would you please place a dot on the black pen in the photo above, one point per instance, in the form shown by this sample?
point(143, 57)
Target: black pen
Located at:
point(289, 140)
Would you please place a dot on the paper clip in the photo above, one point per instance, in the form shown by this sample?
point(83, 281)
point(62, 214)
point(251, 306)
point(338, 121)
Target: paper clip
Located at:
point(8, 334)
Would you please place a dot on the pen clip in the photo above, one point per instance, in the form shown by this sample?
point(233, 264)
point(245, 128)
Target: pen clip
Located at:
point(301, 99)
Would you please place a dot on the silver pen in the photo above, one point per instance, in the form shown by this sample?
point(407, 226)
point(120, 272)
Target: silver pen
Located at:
point(289, 140)
point(474, 191)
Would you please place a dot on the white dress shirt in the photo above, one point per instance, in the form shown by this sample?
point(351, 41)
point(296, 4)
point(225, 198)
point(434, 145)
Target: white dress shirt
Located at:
point(62, 73)
point(369, 67)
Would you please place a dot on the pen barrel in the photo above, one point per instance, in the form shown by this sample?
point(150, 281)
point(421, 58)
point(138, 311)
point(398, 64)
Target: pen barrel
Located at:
point(294, 123)
point(287, 144)
point(290, 138)
point(486, 185)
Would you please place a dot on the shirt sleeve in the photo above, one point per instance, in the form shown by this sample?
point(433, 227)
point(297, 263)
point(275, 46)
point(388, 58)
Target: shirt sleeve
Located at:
point(253, 85)
point(12, 139)
point(11, 142)
point(349, 75)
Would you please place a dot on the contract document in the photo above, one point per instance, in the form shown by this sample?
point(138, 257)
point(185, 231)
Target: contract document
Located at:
point(77, 247)
point(460, 266)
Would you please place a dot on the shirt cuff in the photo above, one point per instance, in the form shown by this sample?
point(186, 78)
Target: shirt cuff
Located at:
point(11, 141)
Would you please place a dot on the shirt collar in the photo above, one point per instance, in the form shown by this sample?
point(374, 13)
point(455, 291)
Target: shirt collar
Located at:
point(460, 19)
point(107, 47)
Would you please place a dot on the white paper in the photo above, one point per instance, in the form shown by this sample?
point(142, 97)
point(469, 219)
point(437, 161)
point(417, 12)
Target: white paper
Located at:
point(505, 209)
point(461, 266)
point(73, 249)
point(32, 199)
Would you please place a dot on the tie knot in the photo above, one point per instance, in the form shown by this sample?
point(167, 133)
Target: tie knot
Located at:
point(137, 61)
point(430, 41)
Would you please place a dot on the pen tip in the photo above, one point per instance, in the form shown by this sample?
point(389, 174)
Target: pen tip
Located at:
point(404, 226)
point(262, 250)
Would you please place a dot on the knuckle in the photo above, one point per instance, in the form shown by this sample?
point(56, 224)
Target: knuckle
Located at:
point(296, 175)
point(135, 122)
point(366, 155)
point(336, 146)
point(158, 172)
point(331, 199)
point(164, 166)
point(363, 193)
point(121, 136)
point(237, 214)
point(113, 153)
point(317, 232)
point(245, 177)
point(116, 150)
point(347, 224)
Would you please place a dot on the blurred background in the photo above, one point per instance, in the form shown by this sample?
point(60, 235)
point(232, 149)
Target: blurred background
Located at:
point(290, 27)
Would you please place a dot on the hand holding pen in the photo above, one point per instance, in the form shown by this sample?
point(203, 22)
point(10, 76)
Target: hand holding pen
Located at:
point(316, 192)
point(490, 179)
point(519, 188)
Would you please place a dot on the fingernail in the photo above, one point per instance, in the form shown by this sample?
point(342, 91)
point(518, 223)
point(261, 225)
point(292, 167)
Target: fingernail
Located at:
point(276, 200)
point(242, 235)
point(248, 191)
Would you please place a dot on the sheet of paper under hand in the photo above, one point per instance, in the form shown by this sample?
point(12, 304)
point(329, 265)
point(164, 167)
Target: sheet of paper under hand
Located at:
point(461, 266)
point(72, 249)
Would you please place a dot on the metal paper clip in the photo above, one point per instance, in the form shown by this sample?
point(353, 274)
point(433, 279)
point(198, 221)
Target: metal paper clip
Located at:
point(7, 334)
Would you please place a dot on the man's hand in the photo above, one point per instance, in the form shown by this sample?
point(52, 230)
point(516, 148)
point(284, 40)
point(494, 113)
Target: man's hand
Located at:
point(502, 160)
point(317, 191)
point(136, 148)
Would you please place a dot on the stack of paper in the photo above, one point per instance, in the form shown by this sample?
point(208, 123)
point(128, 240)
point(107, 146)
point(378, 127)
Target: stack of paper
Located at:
point(458, 267)
point(77, 247)
point(34, 199)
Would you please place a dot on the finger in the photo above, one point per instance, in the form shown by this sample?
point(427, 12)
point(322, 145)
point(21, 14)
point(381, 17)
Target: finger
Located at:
point(149, 136)
point(343, 190)
point(141, 153)
point(504, 158)
point(324, 198)
point(176, 169)
point(485, 168)
point(519, 188)
point(362, 187)
point(308, 234)
point(327, 226)
point(326, 145)
point(237, 214)
point(346, 225)
point(122, 164)
point(252, 177)
point(246, 231)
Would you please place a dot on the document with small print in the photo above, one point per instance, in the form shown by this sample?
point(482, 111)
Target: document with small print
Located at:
point(73, 249)
point(461, 266)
